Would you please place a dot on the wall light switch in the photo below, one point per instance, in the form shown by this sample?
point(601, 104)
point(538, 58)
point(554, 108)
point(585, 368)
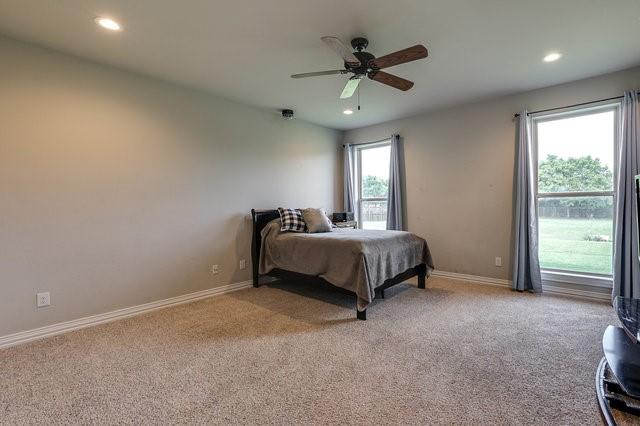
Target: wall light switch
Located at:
point(498, 261)
point(43, 299)
point(243, 264)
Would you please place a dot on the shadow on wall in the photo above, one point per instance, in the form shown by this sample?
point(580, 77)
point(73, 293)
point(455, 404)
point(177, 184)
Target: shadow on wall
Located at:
point(242, 250)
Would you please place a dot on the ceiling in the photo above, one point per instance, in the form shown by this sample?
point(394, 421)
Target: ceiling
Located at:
point(245, 50)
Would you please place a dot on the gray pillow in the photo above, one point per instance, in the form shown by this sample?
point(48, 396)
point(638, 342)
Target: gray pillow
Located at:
point(316, 220)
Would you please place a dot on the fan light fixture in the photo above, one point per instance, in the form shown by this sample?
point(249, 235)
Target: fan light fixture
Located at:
point(359, 64)
point(347, 112)
point(552, 57)
point(108, 23)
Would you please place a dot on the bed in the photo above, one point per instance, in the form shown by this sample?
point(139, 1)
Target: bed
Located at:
point(362, 262)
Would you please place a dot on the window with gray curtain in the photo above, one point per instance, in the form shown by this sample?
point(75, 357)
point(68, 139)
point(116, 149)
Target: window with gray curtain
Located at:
point(372, 176)
point(376, 170)
point(576, 170)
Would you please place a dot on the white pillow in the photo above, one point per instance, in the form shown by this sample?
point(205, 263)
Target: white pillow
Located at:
point(316, 220)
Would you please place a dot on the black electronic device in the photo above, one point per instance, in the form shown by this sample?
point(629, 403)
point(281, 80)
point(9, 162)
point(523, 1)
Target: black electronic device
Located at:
point(343, 217)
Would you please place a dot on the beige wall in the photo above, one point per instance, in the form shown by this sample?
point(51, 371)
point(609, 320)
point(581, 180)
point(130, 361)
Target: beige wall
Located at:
point(460, 171)
point(117, 190)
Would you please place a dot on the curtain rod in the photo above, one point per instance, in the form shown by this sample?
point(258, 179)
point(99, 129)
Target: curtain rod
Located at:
point(574, 105)
point(369, 143)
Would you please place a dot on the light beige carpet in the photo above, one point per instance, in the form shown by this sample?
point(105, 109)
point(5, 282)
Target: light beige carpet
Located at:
point(456, 353)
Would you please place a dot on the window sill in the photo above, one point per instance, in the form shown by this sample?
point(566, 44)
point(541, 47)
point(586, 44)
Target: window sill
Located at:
point(556, 277)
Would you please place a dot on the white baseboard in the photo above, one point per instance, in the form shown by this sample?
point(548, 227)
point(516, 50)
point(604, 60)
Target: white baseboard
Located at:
point(474, 278)
point(546, 288)
point(576, 293)
point(77, 324)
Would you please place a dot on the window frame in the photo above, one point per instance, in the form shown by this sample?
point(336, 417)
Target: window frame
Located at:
point(358, 174)
point(553, 275)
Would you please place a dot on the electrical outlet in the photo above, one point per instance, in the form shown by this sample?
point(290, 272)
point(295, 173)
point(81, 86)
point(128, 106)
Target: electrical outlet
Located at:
point(43, 299)
point(215, 269)
point(498, 261)
point(243, 264)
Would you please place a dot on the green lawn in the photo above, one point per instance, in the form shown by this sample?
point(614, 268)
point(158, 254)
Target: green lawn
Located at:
point(563, 244)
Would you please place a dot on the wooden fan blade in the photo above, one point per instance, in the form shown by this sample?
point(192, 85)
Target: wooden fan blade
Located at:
point(343, 51)
point(400, 57)
point(314, 74)
point(391, 80)
point(350, 87)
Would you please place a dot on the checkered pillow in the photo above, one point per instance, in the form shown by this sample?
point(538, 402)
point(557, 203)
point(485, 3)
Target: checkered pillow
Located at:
point(291, 220)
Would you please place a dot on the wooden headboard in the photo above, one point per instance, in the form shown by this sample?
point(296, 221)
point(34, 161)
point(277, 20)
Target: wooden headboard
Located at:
point(259, 219)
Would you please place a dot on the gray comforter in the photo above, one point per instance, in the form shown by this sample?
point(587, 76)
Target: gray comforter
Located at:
point(354, 259)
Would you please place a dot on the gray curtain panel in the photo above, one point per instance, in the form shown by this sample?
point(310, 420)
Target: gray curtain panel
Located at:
point(349, 196)
point(526, 267)
point(626, 271)
point(394, 199)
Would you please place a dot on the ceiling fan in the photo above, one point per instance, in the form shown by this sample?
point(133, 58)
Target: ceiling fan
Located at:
point(362, 64)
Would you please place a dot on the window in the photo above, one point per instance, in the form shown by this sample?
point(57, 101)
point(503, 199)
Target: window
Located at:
point(373, 184)
point(575, 190)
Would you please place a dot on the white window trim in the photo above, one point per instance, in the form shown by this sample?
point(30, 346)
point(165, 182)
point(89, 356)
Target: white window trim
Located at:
point(358, 174)
point(550, 276)
point(553, 276)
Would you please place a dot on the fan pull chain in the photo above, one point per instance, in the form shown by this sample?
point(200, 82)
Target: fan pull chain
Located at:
point(358, 97)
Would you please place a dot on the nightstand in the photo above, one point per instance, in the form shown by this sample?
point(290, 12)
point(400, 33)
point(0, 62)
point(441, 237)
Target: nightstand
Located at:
point(352, 224)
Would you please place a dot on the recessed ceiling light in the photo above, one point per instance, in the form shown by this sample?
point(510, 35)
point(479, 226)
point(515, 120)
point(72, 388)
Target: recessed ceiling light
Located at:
point(108, 23)
point(551, 57)
point(347, 112)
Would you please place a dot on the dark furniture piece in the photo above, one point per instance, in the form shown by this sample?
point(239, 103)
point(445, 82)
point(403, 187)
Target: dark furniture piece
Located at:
point(342, 217)
point(618, 375)
point(261, 218)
